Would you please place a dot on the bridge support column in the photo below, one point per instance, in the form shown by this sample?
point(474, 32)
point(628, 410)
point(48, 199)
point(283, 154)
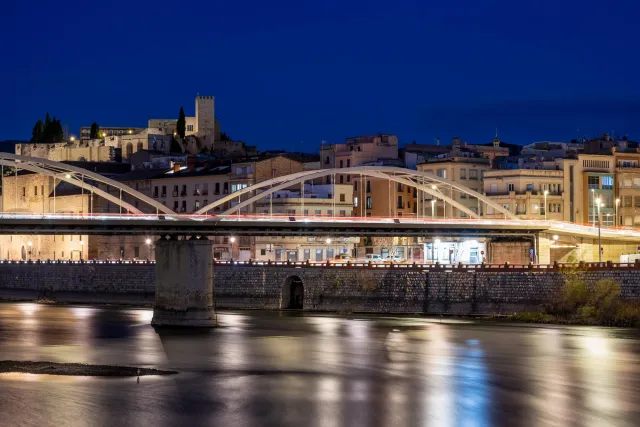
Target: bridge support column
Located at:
point(184, 283)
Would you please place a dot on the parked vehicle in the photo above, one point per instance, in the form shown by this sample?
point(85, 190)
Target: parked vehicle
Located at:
point(341, 258)
point(373, 258)
point(629, 258)
point(396, 259)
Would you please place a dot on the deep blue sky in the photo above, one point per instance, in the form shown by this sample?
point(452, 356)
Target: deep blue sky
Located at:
point(288, 74)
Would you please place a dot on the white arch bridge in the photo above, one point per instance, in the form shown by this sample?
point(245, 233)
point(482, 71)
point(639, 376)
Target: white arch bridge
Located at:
point(141, 214)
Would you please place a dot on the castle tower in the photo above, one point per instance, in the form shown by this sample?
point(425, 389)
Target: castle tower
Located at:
point(205, 115)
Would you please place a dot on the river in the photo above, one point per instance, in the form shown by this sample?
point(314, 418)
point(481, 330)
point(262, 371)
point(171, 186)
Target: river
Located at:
point(292, 369)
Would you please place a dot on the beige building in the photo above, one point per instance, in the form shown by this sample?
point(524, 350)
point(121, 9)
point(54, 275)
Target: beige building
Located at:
point(318, 200)
point(627, 167)
point(465, 168)
point(522, 192)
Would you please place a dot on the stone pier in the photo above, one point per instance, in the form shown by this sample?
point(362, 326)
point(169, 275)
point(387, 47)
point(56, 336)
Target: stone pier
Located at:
point(184, 283)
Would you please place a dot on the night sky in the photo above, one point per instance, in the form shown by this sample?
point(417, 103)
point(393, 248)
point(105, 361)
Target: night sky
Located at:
point(288, 74)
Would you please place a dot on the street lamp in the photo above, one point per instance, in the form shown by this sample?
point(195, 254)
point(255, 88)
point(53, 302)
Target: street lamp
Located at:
point(599, 205)
point(617, 204)
point(232, 239)
point(546, 192)
point(435, 243)
point(148, 242)
point(328, 241)
point(593, 197)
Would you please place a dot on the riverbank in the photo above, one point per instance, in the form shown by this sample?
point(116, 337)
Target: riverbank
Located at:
point(77, 369)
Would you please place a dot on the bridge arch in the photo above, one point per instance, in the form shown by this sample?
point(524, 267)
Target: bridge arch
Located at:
point(76, 176)
point(422, 181)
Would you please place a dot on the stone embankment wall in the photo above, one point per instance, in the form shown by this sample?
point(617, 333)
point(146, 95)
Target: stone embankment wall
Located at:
point(398, 290)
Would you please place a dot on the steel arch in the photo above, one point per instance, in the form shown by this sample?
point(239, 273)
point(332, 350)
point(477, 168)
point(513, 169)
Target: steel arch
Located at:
point(393, 173)
point(31, 163)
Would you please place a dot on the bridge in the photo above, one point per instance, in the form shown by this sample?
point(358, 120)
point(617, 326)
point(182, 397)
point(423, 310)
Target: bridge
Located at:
point(184, 254)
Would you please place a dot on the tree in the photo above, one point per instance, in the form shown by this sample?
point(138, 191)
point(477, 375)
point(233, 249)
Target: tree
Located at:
point(225, 137)
point(57, 132)
point(38, 131)
point(181, 126)
point(95, 131)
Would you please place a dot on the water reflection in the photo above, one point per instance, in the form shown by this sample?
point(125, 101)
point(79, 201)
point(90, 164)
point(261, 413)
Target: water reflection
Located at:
point(328, 371)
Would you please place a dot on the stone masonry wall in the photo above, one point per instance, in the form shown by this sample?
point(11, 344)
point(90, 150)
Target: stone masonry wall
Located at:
point(325, 289)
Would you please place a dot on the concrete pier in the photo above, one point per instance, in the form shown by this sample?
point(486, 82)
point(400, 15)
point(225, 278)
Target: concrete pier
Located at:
point(184, 283)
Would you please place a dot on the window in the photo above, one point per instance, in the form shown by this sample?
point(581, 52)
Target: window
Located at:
point(155, 191)
point(205, 202)
point(341, 179)
point(175, 191)
point(305, 212)
point(442, 173)
point(330, 212)
point(164, 191)
point(263, 252)
point(326, 161)
point(330, 253)
point(196, 190)
point(529, 187)
point(348, 178)
point(343, 213)
point(637, 199)
point(355, 186)
point(318, 212)
point(399, 188)
point(136, 251)
point(225, 188)
point(189, 128)
point(348, 163)
point(318, 254)
point(343, 197)
point(291, 212)
point(473, 174)
point(511, 187)
point(307, 254)
point(594, 182)
point(628, 201)
point(340, 163)
point(183, 208)
point(607, 183)
point(184, 190)
point(463, 174)
point(368, 186)
point(239, 171)
point(355, 202)
point(24, 191)
point(368, 202)
point(400, 203)
point(493, 188)
point(35, 190)
point(205, 189)
point(196, 205)
point(217, 188)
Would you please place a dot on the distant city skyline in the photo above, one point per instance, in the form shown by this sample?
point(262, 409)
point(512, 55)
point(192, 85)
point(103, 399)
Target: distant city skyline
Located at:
point(287, 75)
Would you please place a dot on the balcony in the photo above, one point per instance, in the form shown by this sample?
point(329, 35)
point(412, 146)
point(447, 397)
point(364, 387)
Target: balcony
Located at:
point(196, 192)
point(175, 193)
point(183, 193)
point(163, 195)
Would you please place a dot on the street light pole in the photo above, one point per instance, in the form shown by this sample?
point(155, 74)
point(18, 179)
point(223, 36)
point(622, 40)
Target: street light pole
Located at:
point(616, 219)
point(433, 208)
point(599, 245)
point(546, 192)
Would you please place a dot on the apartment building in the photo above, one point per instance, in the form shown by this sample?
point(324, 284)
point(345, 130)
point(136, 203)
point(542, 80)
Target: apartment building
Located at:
point(627, 183)
point(311, 200)
point(528, 193)
point(461, 166)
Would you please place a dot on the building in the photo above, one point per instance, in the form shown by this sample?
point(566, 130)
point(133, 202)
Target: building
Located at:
point(311, 200)
point(463, 166)
point(522, 192)
point(627, 184)
point(85, 131)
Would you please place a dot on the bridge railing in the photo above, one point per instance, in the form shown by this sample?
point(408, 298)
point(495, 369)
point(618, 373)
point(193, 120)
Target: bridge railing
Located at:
point(435, 267)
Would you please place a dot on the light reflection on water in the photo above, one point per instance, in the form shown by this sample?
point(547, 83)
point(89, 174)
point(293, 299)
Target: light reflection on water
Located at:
point(329, 371)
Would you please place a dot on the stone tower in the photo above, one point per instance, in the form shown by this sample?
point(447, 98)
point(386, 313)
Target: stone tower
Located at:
point(205, 115)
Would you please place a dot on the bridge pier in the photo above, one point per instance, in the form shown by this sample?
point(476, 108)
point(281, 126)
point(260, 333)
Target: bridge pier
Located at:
point(184, 283)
